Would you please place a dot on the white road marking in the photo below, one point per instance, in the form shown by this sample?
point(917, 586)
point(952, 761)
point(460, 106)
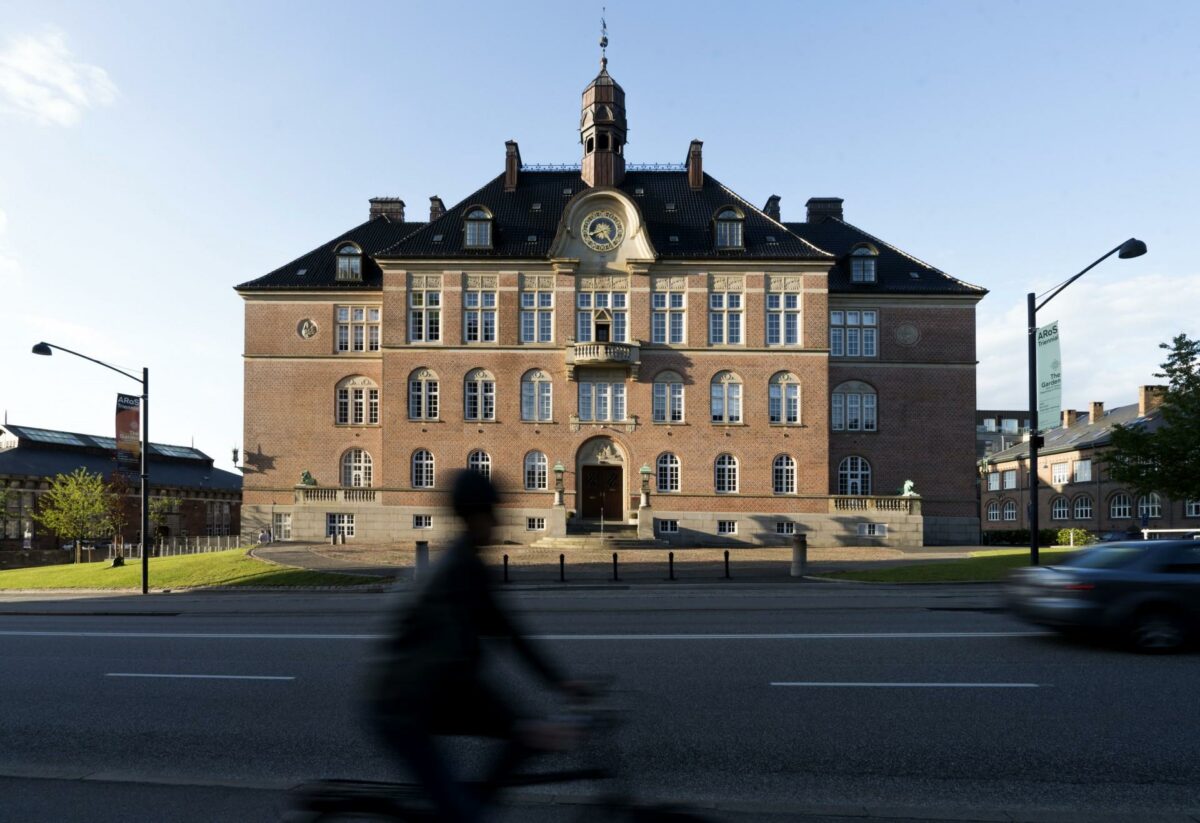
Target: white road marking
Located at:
point(549, 637)
point(200, 676)
point(913, 685)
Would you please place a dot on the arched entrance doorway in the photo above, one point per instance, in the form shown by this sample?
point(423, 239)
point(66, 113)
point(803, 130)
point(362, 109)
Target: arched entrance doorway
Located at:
point(600, 475)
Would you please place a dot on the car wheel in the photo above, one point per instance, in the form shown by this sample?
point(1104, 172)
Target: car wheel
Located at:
point(1156, 632)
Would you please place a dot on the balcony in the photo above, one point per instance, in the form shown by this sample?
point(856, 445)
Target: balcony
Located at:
point(628, 355)
point(903, 505)
point(334, 494)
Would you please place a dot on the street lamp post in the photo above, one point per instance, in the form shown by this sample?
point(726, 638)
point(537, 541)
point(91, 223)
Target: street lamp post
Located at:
point(45, 348)
point(1130, 248)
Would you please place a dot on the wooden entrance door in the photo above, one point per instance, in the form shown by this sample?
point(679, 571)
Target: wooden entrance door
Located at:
point(602, 492)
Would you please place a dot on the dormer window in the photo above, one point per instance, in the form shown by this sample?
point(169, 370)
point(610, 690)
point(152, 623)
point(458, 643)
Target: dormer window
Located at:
point(349, 262)
point(478, 231)
point(729, 229)
point(862, 264)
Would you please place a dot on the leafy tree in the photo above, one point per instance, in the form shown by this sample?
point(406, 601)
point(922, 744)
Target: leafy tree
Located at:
point(160, 509)
point(1164, 458)
point(77, 505)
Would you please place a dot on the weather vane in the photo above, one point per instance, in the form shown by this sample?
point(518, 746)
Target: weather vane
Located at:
point(603, 38)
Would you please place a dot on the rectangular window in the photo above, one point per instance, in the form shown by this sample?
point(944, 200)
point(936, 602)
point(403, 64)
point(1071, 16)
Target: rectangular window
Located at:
point(479, 316)
point(535, 400)
point(783, 319)
point(281, 526)
point(424, 315)
point(601, 401)
point(726, 402)
point(668, 402)
point(725, 318)
point(667, 317)
point(1083, 471)
point(602, 317)
point(785, 527)
point(1008, 425)
point(537, 316)
point(854, 333)
point(1058, 473)
point(1010, 479)
point(535, 524)
point(989, 425)
point(783, 403)
point(667, 526)
point(423, 399)
point(357, 328)
point(341, 525)
point(422, 521)
point(993, 481)
point(726, 527)
point(1191, 508)
point(872, 530)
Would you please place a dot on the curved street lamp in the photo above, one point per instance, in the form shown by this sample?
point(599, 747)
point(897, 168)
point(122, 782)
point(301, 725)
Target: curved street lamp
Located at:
point(47, 349)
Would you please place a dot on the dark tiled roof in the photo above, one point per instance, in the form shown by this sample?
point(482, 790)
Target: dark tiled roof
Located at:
point(318, 268)
point(1085, 434)
point(521, 231)
point(895, 270)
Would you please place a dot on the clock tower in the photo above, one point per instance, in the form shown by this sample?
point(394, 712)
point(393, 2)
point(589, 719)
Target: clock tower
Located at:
point(602, 128)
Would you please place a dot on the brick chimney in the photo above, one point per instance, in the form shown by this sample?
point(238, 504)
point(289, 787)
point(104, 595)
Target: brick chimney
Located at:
point(820, 208)
point(695, 166)
point(1069, 418)
point(772, 208)
point(390, 207)
point(436, 208)
point(1150, 398)
point(512, 164)
point(1095, 411)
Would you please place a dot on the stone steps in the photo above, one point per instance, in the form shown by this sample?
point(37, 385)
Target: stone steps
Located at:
point(596, 542)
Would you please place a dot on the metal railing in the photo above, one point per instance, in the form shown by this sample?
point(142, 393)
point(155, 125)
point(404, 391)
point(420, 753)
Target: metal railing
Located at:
point(175, 546)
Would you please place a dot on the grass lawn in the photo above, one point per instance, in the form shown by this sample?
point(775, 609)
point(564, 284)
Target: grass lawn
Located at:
point(227, 568)
point(985, 565)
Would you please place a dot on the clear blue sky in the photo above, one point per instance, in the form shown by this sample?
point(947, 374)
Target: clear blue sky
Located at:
point(154, 154)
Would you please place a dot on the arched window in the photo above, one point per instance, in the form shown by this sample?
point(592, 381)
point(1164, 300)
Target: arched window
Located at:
point(783, 475)
point(1150, 505)
point(1060, 509)
point(862, 264)
point(668, 473)
point(591, 145)
point(349, 262)
point(479, 461)
point(726, 398)
point(356, 468)
point(993, 512)
point(783, 399)
point(729, 228)
point(1083, 507)
point(422, 469)
point(668, 398)
point(535, 471)
point(479, 395)
point(356, 402)
point(1010, 512)
point(726, 469)
point(423, 395)
point(1120, 506)
point(477, 229)
point(854, 476)
point(536, 389)
point(854, 407)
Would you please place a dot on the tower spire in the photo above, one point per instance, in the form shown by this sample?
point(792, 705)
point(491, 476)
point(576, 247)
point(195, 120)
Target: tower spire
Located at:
point(603, 38)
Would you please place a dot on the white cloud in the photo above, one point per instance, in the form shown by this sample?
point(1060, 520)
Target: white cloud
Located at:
point(1110, 333)
point(10, 269)
point(41, 80)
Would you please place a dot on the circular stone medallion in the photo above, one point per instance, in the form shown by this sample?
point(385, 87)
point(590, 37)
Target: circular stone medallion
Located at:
point(307, 329)
point(907, 335)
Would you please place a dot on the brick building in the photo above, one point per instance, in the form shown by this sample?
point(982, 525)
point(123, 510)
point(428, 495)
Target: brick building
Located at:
point(632, 344)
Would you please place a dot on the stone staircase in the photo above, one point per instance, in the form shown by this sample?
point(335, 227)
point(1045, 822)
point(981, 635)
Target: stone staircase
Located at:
point(615, 537)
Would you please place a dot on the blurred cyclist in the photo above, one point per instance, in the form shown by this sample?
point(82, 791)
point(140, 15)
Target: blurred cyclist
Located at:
point(430, 678)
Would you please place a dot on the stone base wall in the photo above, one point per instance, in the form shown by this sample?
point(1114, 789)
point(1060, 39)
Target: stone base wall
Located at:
point(822, 530)
point(951, 531)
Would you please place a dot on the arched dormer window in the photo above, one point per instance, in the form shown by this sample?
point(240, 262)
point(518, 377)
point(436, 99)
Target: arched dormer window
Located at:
point(729, 228)
point(477, 231)
point(862, 264)
point(349, 262)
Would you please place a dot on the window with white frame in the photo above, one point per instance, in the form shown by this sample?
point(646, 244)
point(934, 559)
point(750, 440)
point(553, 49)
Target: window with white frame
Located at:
point(667, 398)
point(989, 424)
point(1083, 507)
point(726, 527)
point(993, 512)
point(341, 525)
point(600, 401)
point(862, 264)
point(1010, 478)
point(479, 315)
point(357, 328)
point(281, 526)
point(1010, 511)
point(422, 469)
point(357, 402)
point(785, 527)
point(668, 473)
point(537, 316)
point(423, 395)
point(1058, 473)
point(1150, 505)
point(349, 262)
point(854, 475)
point(729, 229)
point(783, 318)
point(535, 471)
point(536, 389)
point(854, 333)
point(479, 395)
point(1191, 508)
point(668, 317)
point(1120, 506)
point(422, 521)
point(1008, 425)
point(1060, 509)
point(872, 529)
point(1083, 471)
point(726, 474)
point(854, 407)
point(477, 229)
point(666, 526)
point(783, 475)
point(993, 481)
point(356, 468)
point(424, 314)
point(725, 318)
point(602, 317)
point(783, 399)
point(726, 398)
point(480, 462)
point(535, 524)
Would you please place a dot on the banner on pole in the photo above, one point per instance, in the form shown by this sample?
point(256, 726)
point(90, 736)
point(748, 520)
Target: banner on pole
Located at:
point(1049, 378)
point(129, 437)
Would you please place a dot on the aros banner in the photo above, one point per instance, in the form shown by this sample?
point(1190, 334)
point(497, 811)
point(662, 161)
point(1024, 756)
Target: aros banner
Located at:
point(1049, 378)
point(129, 438)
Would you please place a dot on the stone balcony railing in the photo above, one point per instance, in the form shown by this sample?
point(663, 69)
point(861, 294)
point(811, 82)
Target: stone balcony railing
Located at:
point(603, 354)
point(334, 494)
point(858, 503)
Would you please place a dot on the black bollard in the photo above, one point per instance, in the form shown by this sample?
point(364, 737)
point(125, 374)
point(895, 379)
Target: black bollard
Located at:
point(727, 564)
point(670, 565)
point(562, 568)
point(506, 568)
point(615, 567)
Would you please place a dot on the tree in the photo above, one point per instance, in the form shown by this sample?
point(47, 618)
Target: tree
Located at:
point(160, 509)
point(1163, 458)
point(77, 505)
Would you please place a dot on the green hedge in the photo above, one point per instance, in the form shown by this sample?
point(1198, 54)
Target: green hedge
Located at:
point(1082, 537)
point(1019, 537)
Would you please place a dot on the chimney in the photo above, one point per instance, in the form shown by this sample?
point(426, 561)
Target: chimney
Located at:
point(1070, 418)
point(390, 207)
point(512, 164)
point(436, 208)
point(695, 166)
point(1150, 398)
point(820, 208)
point(1095, 412)
point(772, 208)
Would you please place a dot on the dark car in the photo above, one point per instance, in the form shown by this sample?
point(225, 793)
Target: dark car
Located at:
point(1144, 592)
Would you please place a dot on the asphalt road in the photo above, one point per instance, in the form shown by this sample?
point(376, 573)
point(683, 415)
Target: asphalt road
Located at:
point(802, 701)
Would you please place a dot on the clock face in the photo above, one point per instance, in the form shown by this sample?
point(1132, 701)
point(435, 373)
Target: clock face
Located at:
point(602, 230)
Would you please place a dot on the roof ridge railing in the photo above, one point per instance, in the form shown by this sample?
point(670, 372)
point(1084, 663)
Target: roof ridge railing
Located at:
point(551, 167)
point(628, 167)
